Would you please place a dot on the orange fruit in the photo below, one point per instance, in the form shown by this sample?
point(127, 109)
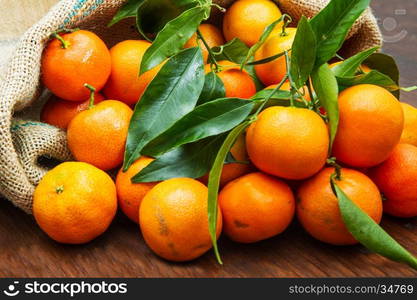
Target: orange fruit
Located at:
point(211, 34)
point(237, 83)
point(274, 71)
point(396, 178)
point(59, 112)
point(174, 221)
point(318, 208)
point(409, 135)
point(371, 123)
point(232, 171)
point(256, 207)
point(74, 203)
point(98, 135)
point(85, 60)
point(124, 83)
point(247, 20)
point(130, 194)
point(288, 142)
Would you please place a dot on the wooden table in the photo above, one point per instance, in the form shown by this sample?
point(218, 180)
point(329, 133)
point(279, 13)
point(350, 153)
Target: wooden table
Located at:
point(26, 251)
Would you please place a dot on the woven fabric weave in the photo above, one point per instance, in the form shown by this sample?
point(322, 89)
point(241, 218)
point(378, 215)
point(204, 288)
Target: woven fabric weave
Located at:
point(23, 142)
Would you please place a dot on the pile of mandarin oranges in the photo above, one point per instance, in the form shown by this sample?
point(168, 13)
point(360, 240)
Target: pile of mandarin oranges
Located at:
point(286, 171)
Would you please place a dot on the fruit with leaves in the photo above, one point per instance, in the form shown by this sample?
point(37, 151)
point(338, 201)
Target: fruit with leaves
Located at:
point(396, 178)
point(247, 20)
point(318, 209)
point(211, 34)
point(98, 134)
point(124, 83)
point(288, 142)
point(129, 194)
point(59, 112)
point(71, 60)
point(273, 72)
point(74, 203)
point(237, 83)
point(409, 135)
point(256, 207)
point(174, 221)
point(370, 126)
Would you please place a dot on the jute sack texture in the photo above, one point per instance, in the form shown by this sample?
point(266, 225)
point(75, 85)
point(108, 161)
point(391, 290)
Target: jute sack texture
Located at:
point(23, 142)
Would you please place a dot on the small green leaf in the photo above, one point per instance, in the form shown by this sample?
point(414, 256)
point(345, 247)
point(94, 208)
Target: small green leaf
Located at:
point(265, 60)
point(303, 54)
point(153, 15)
point(236, 51)
point(214, 182)
point(171, 95)
point(191, 160)
point(332, 24)
point(171, 39)
point(387, 65)
point(369, 233)
point(213, 89)
point(409, 89)
point(327, 90)
point(280, 98)
point(206, 120)
point(265, 35)
point(372, 77)
point(350, 66)
point(129, 9)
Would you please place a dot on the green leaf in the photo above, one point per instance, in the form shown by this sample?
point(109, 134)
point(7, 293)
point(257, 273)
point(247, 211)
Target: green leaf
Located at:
point(214, 182)
point(350, 66)
point(303, 54)
point(265, 60)
point(206, 120)
point(326, 88)
point(387, 65)
point(153, 15)
point(265, 35)
point(191, 160)
point(369, 233)
point(129, 9)
point(171, 95)
point(280, 98)
point(409, 89)
point(171, 39)
point(236, 51)
point(372, 77)
point(213, 89)
point(332, 24)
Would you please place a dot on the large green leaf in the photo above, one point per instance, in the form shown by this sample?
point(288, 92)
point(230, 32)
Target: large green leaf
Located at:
point(214, 182)
point(350, 66)
point(236, 51)
point(387, 65)
point(206, 120)
point(213, 89)
point(372, 77)
point(332, 24)
point(172, 94)
point(129, 9)
point(327, 90)
point(369, 233)
point(153, 15)
point(171, 39)
point(191, 160)
point(303, 54)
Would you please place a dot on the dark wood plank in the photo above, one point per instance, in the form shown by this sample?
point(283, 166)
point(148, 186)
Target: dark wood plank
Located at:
point(121, 252)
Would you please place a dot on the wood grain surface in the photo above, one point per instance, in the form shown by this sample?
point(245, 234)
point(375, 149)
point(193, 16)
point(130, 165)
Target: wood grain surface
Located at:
point(25, 251)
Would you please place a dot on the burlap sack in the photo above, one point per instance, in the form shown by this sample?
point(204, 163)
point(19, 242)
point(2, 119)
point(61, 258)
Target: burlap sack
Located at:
point(23, 143)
